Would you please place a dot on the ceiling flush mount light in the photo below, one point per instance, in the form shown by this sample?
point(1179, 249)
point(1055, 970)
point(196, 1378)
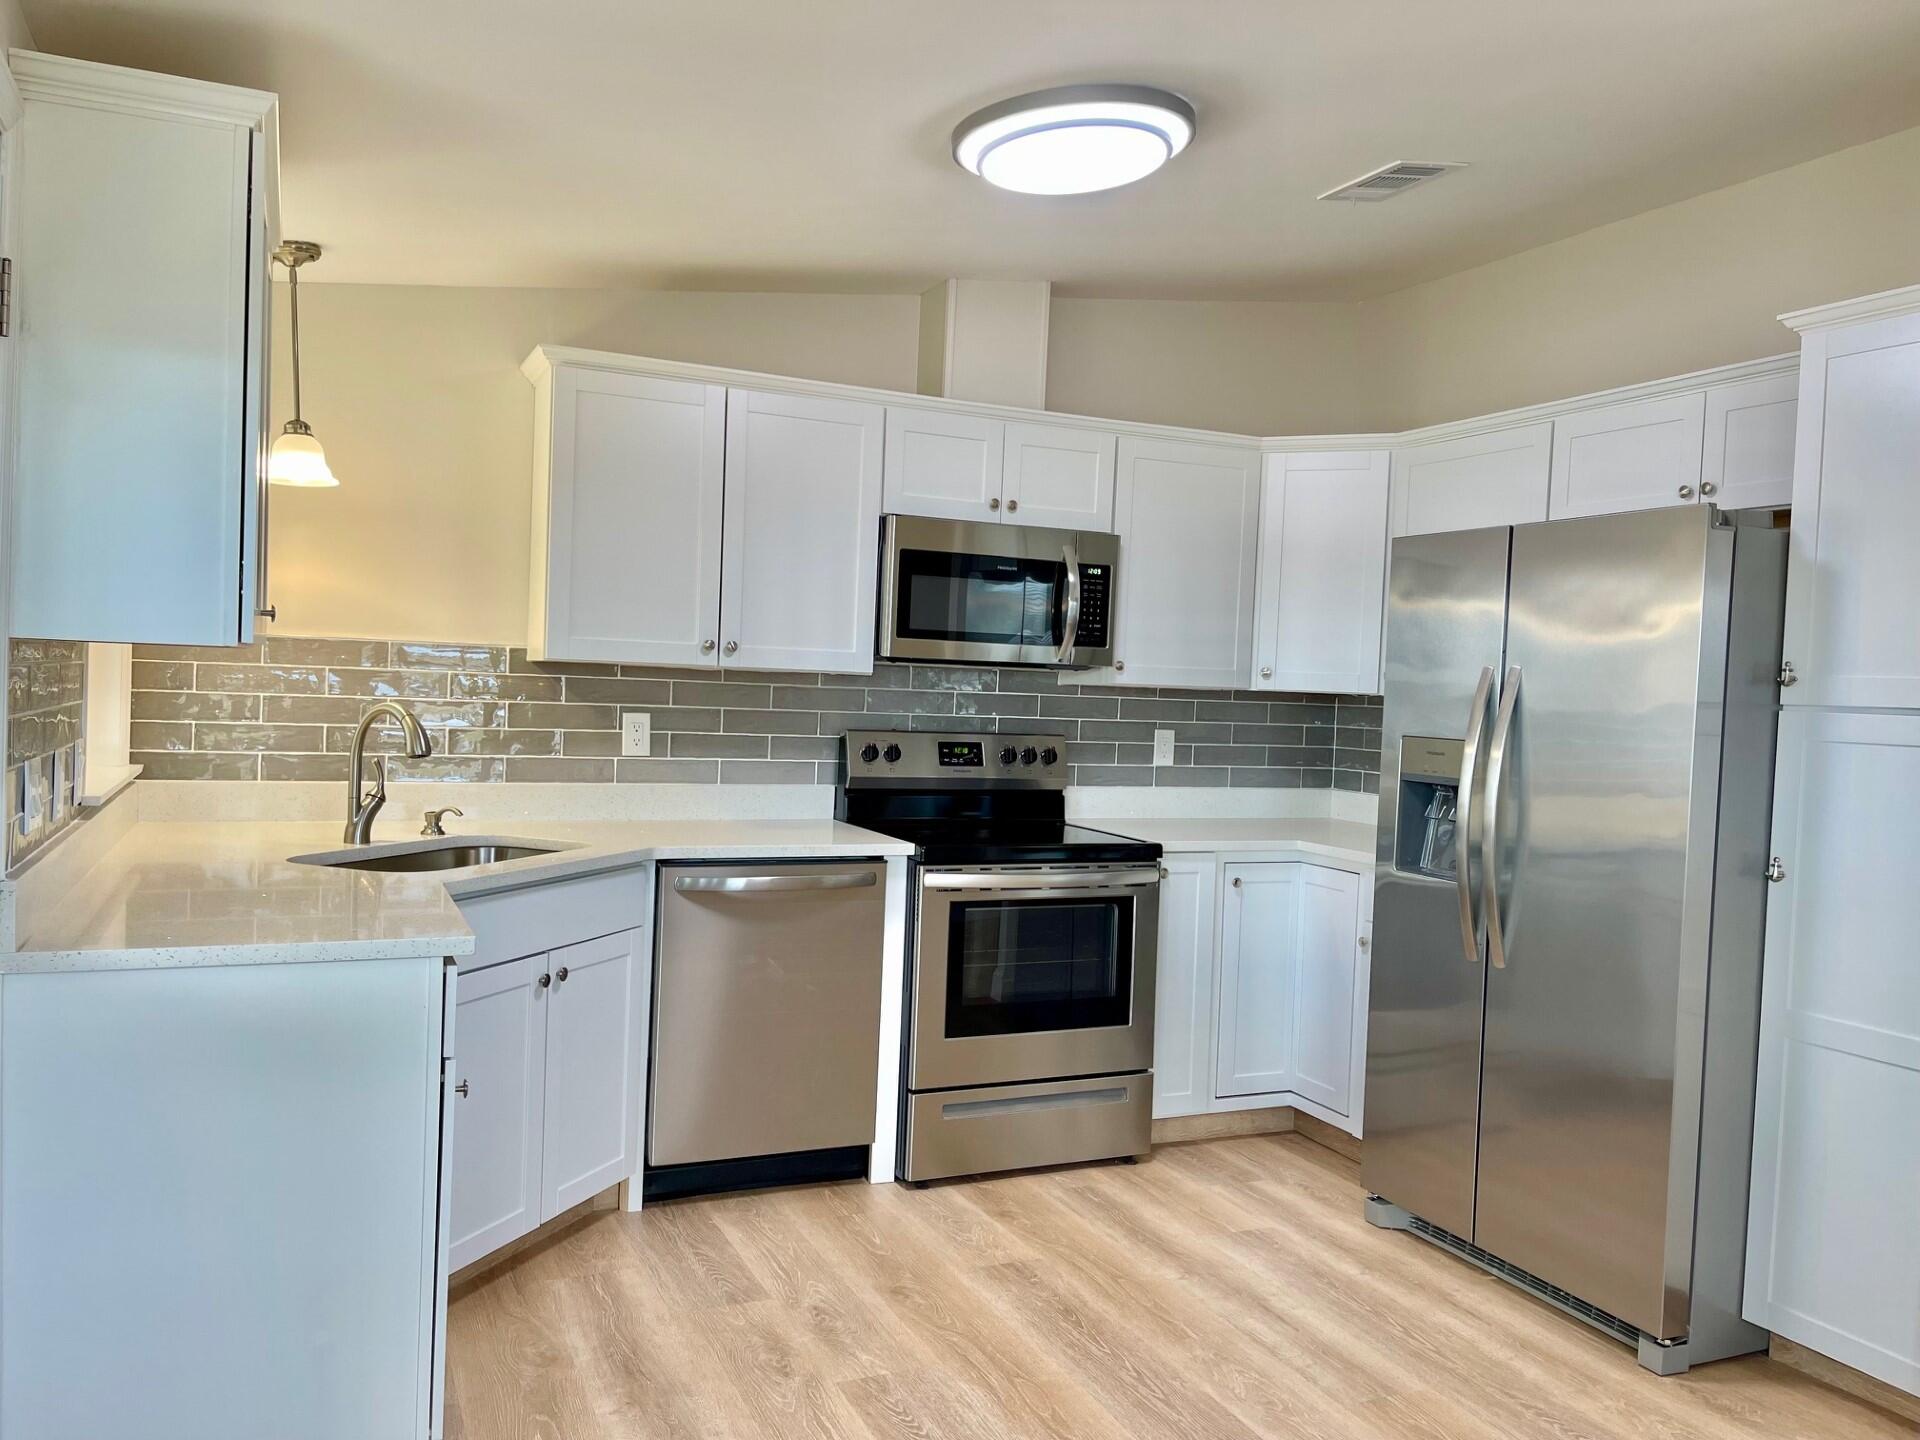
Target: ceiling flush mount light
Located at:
point(1074, 139)
point(296, 457)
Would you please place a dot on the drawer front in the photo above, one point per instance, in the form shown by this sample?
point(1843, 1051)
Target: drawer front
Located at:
point(512, 923)
point(1013, 1127)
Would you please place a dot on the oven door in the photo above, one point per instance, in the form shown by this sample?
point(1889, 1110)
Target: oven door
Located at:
point(1033, 974)
point(954, 590)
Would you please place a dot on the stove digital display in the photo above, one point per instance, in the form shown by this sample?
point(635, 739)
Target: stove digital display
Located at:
point(962, 752)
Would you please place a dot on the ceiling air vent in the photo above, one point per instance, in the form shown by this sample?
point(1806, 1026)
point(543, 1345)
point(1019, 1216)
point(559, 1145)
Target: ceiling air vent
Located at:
point(1389, 180)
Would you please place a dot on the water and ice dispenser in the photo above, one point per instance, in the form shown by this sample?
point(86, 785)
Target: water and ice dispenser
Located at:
point(1426, 843)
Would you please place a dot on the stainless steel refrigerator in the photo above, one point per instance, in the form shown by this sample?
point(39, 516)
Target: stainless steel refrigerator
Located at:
point(1575, 787)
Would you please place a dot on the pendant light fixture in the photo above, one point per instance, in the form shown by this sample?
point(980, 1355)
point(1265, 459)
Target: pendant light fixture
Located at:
point(1074, 139)
point(296, 457)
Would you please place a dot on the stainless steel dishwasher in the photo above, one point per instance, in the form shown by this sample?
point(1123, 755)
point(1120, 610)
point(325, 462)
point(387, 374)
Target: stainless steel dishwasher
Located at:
point(766, 1022)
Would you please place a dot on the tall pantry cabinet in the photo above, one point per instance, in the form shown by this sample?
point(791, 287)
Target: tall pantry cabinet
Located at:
point(1833, 1258)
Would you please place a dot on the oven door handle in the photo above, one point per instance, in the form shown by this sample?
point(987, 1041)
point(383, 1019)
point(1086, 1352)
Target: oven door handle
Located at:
point(1070, 626)
point(1080, 883)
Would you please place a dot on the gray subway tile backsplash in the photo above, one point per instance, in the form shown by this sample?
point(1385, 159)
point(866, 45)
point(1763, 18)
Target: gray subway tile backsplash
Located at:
point(285, 709)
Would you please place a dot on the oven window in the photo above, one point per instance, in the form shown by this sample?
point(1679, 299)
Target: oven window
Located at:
point(1019, 966)
point(983, 599)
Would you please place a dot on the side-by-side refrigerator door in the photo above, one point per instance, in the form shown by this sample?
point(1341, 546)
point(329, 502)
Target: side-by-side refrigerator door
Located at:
point(1601, 786)
point(1446, 625)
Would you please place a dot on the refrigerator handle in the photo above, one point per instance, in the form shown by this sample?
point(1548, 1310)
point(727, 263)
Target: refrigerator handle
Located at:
point(1463, 814)
point(1490, 827)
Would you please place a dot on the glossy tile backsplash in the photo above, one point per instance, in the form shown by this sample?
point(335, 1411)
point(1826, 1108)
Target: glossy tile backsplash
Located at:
point(285, 708)
point(46, 693)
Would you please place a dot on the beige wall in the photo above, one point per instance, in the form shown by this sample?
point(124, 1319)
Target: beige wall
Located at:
point(1676, 289)
point(13, 27)
point(1257, 368)
point(416, 393)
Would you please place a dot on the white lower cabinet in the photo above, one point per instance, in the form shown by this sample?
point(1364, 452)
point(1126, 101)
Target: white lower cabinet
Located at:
point(593, 1079)
point(1261, 988)
point(1833, 1258)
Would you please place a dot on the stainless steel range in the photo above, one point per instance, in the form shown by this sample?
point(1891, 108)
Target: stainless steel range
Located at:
point(1029, 1026)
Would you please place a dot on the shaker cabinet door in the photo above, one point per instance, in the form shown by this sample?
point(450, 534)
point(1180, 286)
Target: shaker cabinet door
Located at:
point(1183, 984)
point(945, 466)
point(1748, 458)
point(1324, 991)
point(1059, 476)
point(1322, 573)
point(594, 1065)
point(1259, 934)
point(1498, 477)
point(499, 1079)
point(1642, 455)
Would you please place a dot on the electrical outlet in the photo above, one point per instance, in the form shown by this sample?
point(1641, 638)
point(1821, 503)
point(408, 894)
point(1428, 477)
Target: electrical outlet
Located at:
point(1163, 747)
point(636, 733)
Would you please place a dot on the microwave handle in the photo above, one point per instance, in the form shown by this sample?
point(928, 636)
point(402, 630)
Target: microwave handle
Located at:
point(1071, 630)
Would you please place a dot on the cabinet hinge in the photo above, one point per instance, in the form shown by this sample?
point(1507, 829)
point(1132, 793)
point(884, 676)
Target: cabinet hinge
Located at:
point(6, 298)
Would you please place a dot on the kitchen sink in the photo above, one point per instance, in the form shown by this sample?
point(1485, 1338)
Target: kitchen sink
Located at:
point(437, 857)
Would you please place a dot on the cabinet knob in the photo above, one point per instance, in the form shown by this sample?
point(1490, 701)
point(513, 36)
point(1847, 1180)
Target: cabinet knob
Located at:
point(1012, 505)
point(545, 981)
point(994, 503)
point(1686, 492)
point(1236, 882)
point(462, 1090)
point(1707, 487)
point(1366, 941)
point(1119, 665)
point(1786, 677)
point(560, 974)
point(1266, 672)
point(706, 647)
point(733, 647)
point(1776, 870)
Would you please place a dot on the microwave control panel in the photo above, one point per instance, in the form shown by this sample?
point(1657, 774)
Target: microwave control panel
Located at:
point(1096, 605)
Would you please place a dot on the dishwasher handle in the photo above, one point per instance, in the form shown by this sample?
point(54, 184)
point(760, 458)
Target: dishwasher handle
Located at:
point(765, 884)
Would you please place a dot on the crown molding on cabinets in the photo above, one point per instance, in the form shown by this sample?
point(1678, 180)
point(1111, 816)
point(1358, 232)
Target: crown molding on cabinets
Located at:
point(114, 87)
point(1883, 306)
point(1712, 379)
point(545, 357)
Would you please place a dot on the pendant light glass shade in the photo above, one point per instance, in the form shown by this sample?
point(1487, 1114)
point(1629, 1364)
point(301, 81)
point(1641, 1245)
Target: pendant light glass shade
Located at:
point(296, 457)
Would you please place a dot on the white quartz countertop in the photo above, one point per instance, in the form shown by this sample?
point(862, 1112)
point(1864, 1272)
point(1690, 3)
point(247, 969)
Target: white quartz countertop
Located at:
point(1349, 841)
point(180, 893)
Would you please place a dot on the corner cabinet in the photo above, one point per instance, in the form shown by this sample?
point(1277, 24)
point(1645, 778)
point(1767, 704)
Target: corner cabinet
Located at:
point(146, 217)
point(1321, 600)
point(677, 522)
point(1188, 517)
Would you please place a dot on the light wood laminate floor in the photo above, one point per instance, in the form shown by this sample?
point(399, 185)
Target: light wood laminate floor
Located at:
point(1224, 1290)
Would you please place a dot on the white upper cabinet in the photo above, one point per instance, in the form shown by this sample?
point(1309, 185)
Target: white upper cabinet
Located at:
point(1188, 518)
point(1183, 1010)
point(1059, 476)
point(955, 466)
point(1853, 587)
point(802, 534)
point(1497, 477)
point(1747, 462)
point(1639, 455)
point(629, 476)
point(944, 465)
point(1322, 572)
point(146, 214)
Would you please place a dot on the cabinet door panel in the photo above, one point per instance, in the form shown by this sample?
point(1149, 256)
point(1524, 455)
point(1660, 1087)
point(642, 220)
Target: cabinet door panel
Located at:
point(1258, 949)
point(1060, 476)
point(1639, 456)
point(1188, 518)
point(802, 533)
point(1324, 986)
point(1183, 999)
point(1852, 585)
point(1322, 573)
point(1839, 1073)
point(1748, 458)
point(632, 520)
point(593, 1070)
point(500, 1043)
point(1499, 478)
point(943, 465)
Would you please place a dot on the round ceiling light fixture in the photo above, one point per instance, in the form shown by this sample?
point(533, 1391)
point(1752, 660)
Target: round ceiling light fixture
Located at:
point(1074, 139)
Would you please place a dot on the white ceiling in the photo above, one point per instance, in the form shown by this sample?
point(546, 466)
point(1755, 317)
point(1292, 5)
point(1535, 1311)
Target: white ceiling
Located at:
point(803, 144)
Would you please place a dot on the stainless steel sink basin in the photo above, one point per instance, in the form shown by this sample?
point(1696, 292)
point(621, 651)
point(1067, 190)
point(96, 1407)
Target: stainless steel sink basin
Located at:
point(440, 857)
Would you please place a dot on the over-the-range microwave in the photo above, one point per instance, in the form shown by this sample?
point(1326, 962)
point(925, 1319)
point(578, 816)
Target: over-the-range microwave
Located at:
point(959, 590)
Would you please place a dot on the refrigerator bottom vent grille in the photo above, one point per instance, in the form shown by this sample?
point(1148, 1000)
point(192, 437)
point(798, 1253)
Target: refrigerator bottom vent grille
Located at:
point(1527, 1280)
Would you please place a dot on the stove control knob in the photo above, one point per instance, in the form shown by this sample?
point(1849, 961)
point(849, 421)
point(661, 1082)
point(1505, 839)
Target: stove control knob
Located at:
point(1029, 755)
point(892, 752)
point(1008, 755)
point(869, 752)
point(1049, 755)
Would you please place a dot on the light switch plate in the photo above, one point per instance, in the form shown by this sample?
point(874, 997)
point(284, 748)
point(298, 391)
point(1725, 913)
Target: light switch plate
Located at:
point(1163, 747)
point(636, 733)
